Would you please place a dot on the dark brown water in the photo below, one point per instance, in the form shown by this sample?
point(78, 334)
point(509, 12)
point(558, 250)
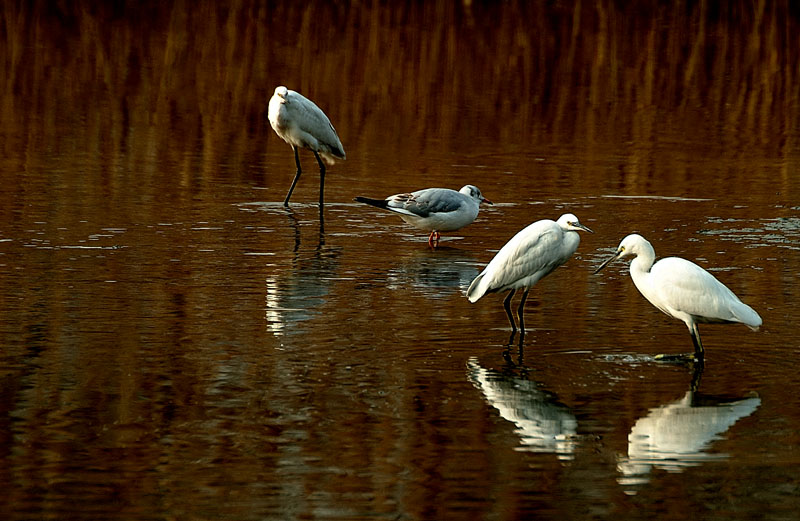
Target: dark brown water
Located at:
point(174, 344)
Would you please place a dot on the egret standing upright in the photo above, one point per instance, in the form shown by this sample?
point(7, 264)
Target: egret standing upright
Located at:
point(299, 122)
point(683, 290)
point(528, 257)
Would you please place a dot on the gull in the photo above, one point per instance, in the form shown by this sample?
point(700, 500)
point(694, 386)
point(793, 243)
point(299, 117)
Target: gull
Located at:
point(299, 122)
point(434, 209)
point(683, 290)
point(528, 257)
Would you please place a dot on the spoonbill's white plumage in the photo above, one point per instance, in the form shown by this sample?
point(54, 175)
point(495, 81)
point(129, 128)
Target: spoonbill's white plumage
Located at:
point(434, 209)
point(299, 122)
point(682, 290)
point(529, 256)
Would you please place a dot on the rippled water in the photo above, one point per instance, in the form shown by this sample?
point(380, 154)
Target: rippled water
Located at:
point(178, 345)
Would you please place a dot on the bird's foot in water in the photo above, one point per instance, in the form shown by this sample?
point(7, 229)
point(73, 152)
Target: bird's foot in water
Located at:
point(683, 358)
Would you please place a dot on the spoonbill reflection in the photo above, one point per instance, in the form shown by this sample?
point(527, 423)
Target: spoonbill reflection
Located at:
point(299, 122)
point(529, 256)
point(434, 209)
point(543, 424)
point(682, 290)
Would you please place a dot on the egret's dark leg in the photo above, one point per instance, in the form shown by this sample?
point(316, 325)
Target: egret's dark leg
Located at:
point(321, 179)
point(697, 372)
point(698, 345)
point(296, 176)
point(507, 305)
point(520, 310)
point(510, 341)
point(687, 357)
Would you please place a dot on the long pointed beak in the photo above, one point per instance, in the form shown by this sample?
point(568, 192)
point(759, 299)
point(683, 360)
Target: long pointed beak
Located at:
point(608, 261)
point(485, 200)
point(582, 227)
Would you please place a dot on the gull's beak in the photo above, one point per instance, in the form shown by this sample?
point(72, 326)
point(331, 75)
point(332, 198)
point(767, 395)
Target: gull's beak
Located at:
point(485, 200)
point(609, 261)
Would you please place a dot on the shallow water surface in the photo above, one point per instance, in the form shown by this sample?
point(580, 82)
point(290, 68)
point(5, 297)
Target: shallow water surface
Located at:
point(176, 344)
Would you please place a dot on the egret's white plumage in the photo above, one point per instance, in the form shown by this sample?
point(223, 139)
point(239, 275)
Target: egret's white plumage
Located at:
point(434, 209)
point(529, 256)
point(682, 289)
point(543, 424)
point(678, 435)
point(302, 124)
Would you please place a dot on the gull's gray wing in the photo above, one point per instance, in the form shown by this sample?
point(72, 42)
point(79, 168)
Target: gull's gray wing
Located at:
point(423, 203)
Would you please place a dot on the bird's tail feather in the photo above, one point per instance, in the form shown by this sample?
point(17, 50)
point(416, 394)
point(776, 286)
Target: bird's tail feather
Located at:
point(748, 316)
point(332, 155)
point(380, 203)
point(476, 289)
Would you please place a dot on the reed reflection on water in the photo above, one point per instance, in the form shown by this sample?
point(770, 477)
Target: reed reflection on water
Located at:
point(176, 344)
point(583, 76)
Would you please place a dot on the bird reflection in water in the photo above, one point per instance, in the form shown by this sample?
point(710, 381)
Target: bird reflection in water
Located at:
point(543, 424)
point(438, 274)
point(293, 296)
point(678, 435)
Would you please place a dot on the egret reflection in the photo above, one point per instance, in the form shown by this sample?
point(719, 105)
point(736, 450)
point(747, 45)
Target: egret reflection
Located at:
point(294, 295)
point(679, 434)
point(543, 424)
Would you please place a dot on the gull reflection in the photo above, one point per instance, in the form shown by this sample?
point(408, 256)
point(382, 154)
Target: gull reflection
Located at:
point(439, 274)
point(293, 295)
point(543, 424)
point(678, 435)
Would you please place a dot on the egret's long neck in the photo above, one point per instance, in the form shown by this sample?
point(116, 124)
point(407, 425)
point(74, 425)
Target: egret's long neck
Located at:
point(640, 266)
point(571, 241)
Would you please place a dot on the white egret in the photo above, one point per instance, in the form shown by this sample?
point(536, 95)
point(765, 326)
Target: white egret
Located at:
point(682, 290)
point(543, 424)
point(677, 435)
point(434, 209)
point(529, 256)
point(299, 122)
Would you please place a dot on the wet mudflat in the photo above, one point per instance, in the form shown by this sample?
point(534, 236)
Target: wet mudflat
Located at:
point(177, 344)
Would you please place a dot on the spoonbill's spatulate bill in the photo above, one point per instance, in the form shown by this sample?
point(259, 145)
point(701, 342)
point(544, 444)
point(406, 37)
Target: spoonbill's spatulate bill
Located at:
point(434, 209)
point(299, 122)
point(682, 290)
point(529, 256)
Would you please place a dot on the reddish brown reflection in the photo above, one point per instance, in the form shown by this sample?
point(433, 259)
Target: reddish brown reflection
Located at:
point(175, 344)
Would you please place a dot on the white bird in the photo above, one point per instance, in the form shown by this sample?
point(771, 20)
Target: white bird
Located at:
point(682, 290)
point(434, 209)
point(529, 256)
point(299, 122)
point(678, 434)
point(543, 424)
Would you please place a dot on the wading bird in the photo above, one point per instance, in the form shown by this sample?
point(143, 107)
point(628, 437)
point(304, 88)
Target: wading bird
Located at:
point(434, 209)
point(682, 290)
point(529, 256)
point(299, 122)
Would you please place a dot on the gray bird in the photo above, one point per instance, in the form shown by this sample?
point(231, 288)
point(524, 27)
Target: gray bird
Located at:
point(434, 209)
point(299, 122)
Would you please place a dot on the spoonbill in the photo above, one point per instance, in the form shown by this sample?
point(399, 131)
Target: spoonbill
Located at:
point(683, 290)
point(298, 121)
point(434, 209)
point(528, 257)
